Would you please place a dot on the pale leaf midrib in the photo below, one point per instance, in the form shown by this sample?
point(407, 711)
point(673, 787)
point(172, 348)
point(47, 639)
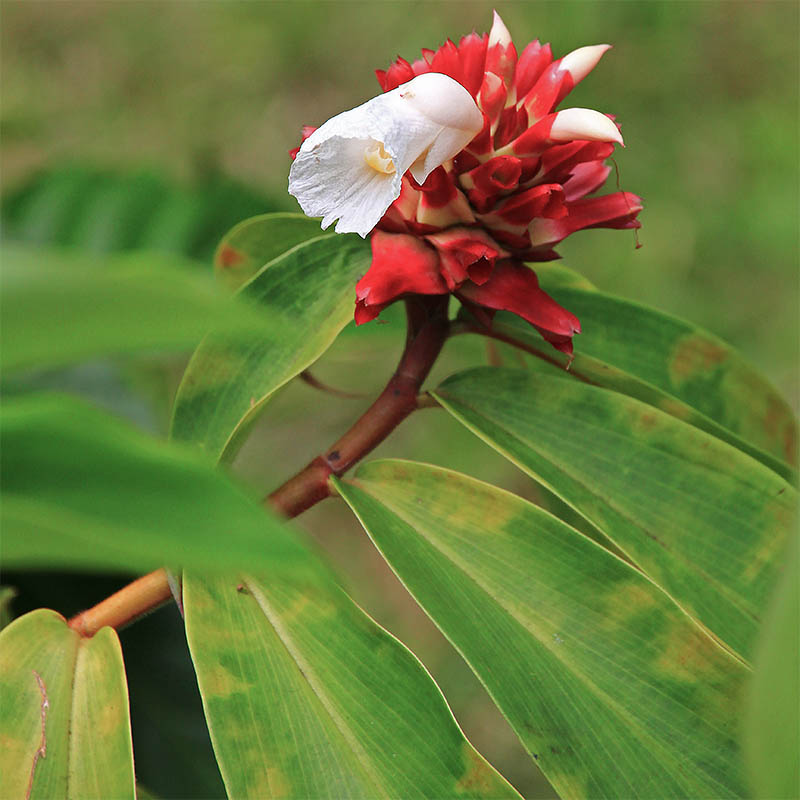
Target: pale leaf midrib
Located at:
point(309, 676)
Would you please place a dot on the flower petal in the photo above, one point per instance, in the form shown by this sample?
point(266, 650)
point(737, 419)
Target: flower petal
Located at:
point(533, 61)
point(488, 181)
point(499, 33)
point(421, 123)
point(465, 253)
point(446, 103)
point(514, 287)
point(441, 203)
point(618, 210)
point(579, 63)
point(401, 264)
point(584, 123)
point(585, 179)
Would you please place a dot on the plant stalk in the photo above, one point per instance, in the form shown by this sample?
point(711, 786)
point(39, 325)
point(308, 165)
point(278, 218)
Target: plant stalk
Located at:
point(427, 331)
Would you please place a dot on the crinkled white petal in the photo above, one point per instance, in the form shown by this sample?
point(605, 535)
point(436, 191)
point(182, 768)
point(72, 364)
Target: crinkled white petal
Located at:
point(422, 123)
point(584, 123)
point(333, 181)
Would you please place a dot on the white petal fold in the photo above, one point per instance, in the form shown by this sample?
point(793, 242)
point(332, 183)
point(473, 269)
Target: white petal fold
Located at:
point(584, 123)
point(579, 63)
point(351, 167)
point(499, 33)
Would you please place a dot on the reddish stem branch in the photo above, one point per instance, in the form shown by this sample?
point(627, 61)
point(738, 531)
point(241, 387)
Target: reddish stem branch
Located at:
point(427, 332)
point(460, 327)
point(123, 607)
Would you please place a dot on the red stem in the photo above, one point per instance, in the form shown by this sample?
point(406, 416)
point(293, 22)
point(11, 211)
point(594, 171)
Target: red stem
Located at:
point(427, 331)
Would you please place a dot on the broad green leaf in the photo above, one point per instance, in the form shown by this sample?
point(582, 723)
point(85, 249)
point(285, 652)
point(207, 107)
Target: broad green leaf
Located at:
point(674, 366)
point(554, 276)
point(226, 386)
point(702, 519)
point(613, 690)
point(106, 210)
point(64, 719)
point(82, 490)
point(306, 696)
point(60, 307)
point(7, 595)
point(250, 245)
point(772, 732)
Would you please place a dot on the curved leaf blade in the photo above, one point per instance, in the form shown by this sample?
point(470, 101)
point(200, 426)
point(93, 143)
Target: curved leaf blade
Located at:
point(81, 205)
point(702, 519)
point(226, 386)
point(64, 718)
point(251, 244)
point(82, 490)
point(306, 696)
point(612, 689)
point(59, 308)
point(772, 724)
point(675, 366)
point(554, 276)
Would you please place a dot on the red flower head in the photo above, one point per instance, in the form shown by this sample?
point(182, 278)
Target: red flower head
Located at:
point(458, 182)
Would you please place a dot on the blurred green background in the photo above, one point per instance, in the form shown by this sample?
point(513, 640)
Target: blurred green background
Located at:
point(159, 125)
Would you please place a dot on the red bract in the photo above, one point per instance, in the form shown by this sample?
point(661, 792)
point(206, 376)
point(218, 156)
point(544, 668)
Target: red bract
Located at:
point(517, 189)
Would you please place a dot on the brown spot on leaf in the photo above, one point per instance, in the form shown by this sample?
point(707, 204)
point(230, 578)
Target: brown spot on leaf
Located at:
point(694, 355)
point(686, 654)
point(790, 443)
point(773, 417)
point(478, 776)
point(647, 421)
point(229, 256)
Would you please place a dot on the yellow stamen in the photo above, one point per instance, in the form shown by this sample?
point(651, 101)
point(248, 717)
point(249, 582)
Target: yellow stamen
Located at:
point(379, 159)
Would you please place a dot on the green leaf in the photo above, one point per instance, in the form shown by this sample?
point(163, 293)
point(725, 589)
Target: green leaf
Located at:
point(226, 386)
point(250, 245)
point(674, 366)
point(554, 276)
point(112, 210)
point(7, 595)
point(64, 719)
point(81, 490)
point(702, 519)
point(772, 732)
point(306, 696)
point(59, 308)
point(613, 690)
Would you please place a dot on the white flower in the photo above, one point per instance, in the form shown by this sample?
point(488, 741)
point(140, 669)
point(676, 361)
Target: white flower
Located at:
point(351, 167)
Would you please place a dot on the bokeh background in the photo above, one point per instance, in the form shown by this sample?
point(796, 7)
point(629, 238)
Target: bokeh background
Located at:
point(128, 125)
